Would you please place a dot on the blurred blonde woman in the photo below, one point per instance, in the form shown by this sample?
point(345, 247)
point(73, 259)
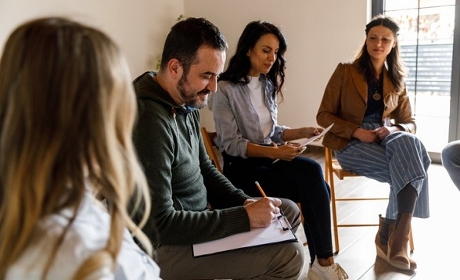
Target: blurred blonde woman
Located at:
point(67, 109)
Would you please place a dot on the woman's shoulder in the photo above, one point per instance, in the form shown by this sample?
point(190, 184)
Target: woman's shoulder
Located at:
point(229, 88)
point(347, 65)
point(344, 68)
point(87, 234)
point(225, 84)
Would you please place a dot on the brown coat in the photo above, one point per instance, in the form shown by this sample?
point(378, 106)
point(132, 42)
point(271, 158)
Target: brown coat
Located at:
point(344, 104)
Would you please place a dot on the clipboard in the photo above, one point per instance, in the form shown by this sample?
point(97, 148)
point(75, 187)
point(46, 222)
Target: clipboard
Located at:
point(278, 231)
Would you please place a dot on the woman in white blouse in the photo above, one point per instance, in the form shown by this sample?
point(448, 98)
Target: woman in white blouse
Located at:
point(256, 148)
point(67, 109)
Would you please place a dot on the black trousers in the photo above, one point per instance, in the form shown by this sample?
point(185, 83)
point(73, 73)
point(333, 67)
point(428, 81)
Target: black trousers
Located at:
point(300, 180)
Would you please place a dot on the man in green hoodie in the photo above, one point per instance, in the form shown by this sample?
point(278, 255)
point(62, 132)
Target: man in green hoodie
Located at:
point(192, 202)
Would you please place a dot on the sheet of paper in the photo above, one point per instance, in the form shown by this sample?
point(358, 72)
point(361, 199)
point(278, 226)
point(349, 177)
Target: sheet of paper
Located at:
point(255, 237)
point(307, 141)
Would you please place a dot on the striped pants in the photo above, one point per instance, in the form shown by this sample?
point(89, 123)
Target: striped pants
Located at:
point(400, 159)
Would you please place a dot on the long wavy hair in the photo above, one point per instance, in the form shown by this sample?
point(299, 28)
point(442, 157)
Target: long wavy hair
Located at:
point(239, 65)
point(395, 66)
point(67, 109)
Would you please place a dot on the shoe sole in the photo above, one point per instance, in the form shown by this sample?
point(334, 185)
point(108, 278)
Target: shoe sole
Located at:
point(313, 276)
point(399, 265)
point(396, 264)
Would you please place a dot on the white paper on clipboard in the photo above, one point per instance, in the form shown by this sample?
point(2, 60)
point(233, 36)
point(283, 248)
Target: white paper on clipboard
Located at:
point(272, 234)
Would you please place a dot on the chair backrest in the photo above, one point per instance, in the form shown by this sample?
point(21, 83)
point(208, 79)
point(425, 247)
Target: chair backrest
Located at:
point(208, 139)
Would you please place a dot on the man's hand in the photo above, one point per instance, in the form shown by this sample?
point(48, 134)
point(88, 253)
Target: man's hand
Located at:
point(249, 200)
point(263, 211)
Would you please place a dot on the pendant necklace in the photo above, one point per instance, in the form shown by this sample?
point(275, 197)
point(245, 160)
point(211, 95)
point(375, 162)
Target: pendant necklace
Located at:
point(376, 96)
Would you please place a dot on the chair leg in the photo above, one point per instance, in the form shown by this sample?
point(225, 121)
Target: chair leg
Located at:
point(330, 180)
point(334, 214)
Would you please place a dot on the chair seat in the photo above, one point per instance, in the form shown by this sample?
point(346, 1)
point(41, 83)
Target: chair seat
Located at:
point(340, 172)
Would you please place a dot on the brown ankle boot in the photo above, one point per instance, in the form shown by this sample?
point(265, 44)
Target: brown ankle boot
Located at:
point(382, 249)
point(398, 244)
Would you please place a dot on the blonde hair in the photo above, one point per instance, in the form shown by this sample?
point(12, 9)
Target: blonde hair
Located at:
point(67, 109)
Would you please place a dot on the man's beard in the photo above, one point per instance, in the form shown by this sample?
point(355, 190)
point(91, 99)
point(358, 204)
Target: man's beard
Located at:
point(191, 99)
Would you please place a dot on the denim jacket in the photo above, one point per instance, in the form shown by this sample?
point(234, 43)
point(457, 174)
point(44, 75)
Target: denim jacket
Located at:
point(236, 120)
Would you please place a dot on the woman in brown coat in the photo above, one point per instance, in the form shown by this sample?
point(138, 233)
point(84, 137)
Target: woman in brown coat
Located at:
point(373, 134)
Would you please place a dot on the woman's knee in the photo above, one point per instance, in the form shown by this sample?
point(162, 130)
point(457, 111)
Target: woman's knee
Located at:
point(291, 210)
point(308, 165)
point(289, 206)
point(451, 151)
point(446, 156)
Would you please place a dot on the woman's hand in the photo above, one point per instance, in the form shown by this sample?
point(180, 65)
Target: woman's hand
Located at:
point(302, 132)
point(364, 135)
point(376, 135)
point(384, 131)
point(308, 132)
point(288, 151)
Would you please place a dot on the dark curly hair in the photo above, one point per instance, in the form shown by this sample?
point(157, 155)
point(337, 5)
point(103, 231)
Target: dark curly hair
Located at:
point(239, 65)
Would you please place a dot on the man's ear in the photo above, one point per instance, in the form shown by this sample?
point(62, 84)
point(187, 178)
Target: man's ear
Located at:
point(175, 69)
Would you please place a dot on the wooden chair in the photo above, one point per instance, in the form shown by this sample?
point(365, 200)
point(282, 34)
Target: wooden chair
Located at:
point(208, 139)
point(332, 167)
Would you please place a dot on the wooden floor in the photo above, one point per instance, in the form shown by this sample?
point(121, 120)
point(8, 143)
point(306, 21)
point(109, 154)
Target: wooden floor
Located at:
point(434, 238)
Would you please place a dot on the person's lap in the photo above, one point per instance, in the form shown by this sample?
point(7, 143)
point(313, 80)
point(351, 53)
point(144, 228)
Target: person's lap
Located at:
point(288, 179)
point(177, 262)
point(399, 160)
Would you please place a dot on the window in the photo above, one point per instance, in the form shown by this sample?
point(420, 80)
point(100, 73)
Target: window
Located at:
point(426, 39)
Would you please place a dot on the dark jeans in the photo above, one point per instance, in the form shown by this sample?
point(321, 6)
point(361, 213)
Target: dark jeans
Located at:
point(300, 180)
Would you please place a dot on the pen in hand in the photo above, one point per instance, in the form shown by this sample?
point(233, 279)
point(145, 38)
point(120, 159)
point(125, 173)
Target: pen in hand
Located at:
point(264, 195)
point(260, 189)
point(288, 225)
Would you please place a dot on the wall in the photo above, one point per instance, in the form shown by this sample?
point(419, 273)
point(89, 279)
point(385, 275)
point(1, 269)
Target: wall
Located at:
point(320, 34)
point(139, 26)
